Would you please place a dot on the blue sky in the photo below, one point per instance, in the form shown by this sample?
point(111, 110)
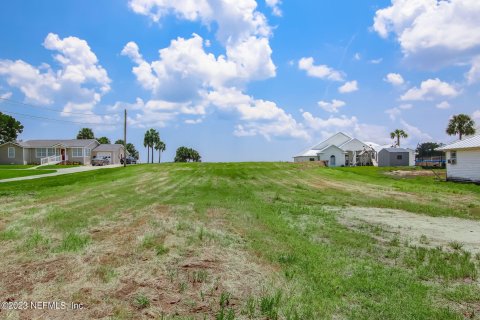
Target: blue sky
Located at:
point(240, 80)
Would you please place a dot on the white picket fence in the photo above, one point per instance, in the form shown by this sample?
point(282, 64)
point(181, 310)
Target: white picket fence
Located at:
point(50, 160)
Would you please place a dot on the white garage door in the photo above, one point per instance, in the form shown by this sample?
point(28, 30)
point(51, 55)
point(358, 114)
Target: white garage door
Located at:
point(104, 154)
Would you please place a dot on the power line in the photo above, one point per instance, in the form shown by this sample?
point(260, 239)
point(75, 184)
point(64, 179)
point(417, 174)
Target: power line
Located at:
point(56, 110)
point(60, 120)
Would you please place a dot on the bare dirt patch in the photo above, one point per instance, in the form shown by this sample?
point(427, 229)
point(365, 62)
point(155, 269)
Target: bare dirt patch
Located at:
point(439, 231)
point(411, 173)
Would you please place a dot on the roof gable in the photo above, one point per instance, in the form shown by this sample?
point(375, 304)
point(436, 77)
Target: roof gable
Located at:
point(17, 143)
point(354, 145)
point(337, 139)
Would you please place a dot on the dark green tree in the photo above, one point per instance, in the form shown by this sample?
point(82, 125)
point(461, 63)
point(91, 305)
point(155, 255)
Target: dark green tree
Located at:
point(185, 154)
point(103, 140)
point(85, 133)
point(10, 128)
point(428, 149)
point(461, 124)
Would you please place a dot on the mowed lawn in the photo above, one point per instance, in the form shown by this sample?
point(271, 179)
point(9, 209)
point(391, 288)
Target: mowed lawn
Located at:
point(233, 241)
point(14, 173)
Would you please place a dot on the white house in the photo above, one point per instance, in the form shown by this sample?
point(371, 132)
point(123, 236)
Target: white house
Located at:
point(339, 150)
point(463, 159)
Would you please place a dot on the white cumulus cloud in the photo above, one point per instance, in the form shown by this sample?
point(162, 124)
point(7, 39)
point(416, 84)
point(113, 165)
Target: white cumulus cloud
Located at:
point(78, 84)
point(350, 86)
point(431, 32)
point(395, 79)
point(236, 20)
point(319, 71)
point(431, 89)
point(260, 117)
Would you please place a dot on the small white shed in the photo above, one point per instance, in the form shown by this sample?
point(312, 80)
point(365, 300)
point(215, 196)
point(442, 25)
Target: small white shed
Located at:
point(463, 159)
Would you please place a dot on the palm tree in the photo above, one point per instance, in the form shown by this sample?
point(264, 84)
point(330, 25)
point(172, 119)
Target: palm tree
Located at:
point(160, 146)
point(398, 133)
point(461, 124)
point(154, 137)
point(147, 142)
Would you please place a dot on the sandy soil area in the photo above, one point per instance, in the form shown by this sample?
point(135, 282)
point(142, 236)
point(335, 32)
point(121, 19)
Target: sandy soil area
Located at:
point(438, 230)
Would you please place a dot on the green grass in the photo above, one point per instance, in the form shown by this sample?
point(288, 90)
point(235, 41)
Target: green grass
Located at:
point(278, 210)
point(15, 166)
point(9, 173)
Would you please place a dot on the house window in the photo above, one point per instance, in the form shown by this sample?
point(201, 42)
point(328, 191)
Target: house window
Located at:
point(51, 152)
point(88, 152)
point(399, 157)
point(453, 157)
point(41, 152)
point(312, 159)
point(11, 152)
point(77, 152)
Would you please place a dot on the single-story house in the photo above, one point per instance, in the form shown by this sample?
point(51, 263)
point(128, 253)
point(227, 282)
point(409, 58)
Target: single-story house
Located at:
point(396, 157)
point(57, 151)
point(463, 159)
point(338, 150)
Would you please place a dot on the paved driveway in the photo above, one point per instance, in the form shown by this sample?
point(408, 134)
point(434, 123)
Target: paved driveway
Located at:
point(61, 172)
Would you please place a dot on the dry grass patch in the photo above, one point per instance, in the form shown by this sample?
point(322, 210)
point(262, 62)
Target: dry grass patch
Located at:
point(143, 265)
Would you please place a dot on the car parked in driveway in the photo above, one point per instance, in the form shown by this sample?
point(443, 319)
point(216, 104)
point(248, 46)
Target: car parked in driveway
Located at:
point(130, 160)
point(100, 161)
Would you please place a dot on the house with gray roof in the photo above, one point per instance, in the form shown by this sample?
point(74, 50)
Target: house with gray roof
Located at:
point(463, 159)
point(58, 151)
point(339, 150)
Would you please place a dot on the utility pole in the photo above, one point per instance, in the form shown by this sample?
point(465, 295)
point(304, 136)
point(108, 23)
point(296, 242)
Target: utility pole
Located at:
point(125, 139)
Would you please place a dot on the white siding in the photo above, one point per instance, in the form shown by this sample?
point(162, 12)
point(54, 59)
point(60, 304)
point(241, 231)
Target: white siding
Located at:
point(338, 153)
point(411, 158)
point(467, 167)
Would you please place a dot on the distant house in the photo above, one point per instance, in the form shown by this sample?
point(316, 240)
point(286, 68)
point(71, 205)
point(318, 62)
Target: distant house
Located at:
point(339, 150)
point(396, 157)
point(463, 159)
point(57, 151)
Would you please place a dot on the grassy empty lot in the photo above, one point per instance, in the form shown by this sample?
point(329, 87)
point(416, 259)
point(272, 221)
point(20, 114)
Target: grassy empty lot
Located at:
point(234, 241)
